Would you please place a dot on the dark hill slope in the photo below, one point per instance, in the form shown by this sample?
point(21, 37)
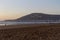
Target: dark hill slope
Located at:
point(38, 17)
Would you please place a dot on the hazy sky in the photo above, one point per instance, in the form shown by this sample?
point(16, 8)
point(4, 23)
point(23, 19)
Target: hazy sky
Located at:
point(10, 9)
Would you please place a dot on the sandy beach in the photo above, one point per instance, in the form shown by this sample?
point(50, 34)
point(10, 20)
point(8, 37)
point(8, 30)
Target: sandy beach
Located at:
point(30, 32)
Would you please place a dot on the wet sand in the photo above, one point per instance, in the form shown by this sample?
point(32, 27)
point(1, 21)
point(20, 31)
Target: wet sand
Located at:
point(30, 32)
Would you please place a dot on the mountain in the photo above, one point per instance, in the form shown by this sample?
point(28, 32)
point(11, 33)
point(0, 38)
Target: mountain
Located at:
point(39, 17)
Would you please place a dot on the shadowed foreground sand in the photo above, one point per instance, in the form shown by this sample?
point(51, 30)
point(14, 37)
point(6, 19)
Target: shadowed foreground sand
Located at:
point(30, 32)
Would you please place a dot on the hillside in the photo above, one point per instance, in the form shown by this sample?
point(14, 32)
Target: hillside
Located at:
point(38, 17)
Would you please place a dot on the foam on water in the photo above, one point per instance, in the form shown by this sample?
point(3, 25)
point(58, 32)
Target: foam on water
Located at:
point(14, 23)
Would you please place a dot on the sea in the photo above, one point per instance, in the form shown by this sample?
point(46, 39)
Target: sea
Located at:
point(2, 23)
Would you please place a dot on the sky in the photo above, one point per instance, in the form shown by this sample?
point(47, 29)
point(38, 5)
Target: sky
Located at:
point(12, 9)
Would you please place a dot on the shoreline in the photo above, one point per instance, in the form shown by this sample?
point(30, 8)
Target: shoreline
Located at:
point(31, 32)
point(28, 25)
